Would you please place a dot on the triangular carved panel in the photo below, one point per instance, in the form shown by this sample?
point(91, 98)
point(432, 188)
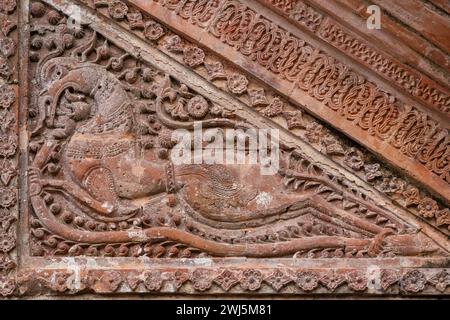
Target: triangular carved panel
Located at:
point(108, 89)
point(267, 101)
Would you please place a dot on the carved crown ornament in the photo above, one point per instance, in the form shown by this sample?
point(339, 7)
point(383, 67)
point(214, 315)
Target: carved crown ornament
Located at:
point(91, 200)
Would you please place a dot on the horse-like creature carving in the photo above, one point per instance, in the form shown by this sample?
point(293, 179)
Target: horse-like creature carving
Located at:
point(110, 176)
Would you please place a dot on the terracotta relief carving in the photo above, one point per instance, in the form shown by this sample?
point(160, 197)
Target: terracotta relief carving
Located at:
point(341, 89)
point(104, 208)
point(414, 83)
point(235, 280)
point(8, 146)
point(320, 137)
point(349, 95)
point(302, 13)
point(89, 135)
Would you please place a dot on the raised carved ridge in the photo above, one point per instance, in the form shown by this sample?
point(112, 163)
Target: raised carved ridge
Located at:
point(388, 281)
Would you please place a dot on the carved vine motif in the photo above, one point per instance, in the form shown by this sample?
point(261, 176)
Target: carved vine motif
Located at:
point(8, 146)
point(94, 135)
point(318, 135)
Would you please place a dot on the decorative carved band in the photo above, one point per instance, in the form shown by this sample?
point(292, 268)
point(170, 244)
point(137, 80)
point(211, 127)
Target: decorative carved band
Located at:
point(269, 104)
point(88, 135)
point(416, 85)
point(99, 183)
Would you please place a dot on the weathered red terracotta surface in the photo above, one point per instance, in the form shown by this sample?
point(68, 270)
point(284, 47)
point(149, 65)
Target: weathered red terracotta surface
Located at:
point(91, 202)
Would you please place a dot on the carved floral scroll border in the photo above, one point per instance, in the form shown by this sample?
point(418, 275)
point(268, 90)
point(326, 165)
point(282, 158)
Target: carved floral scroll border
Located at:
point(225, 280)
point(193, 57)
point(236, 281)
point(8, 145)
